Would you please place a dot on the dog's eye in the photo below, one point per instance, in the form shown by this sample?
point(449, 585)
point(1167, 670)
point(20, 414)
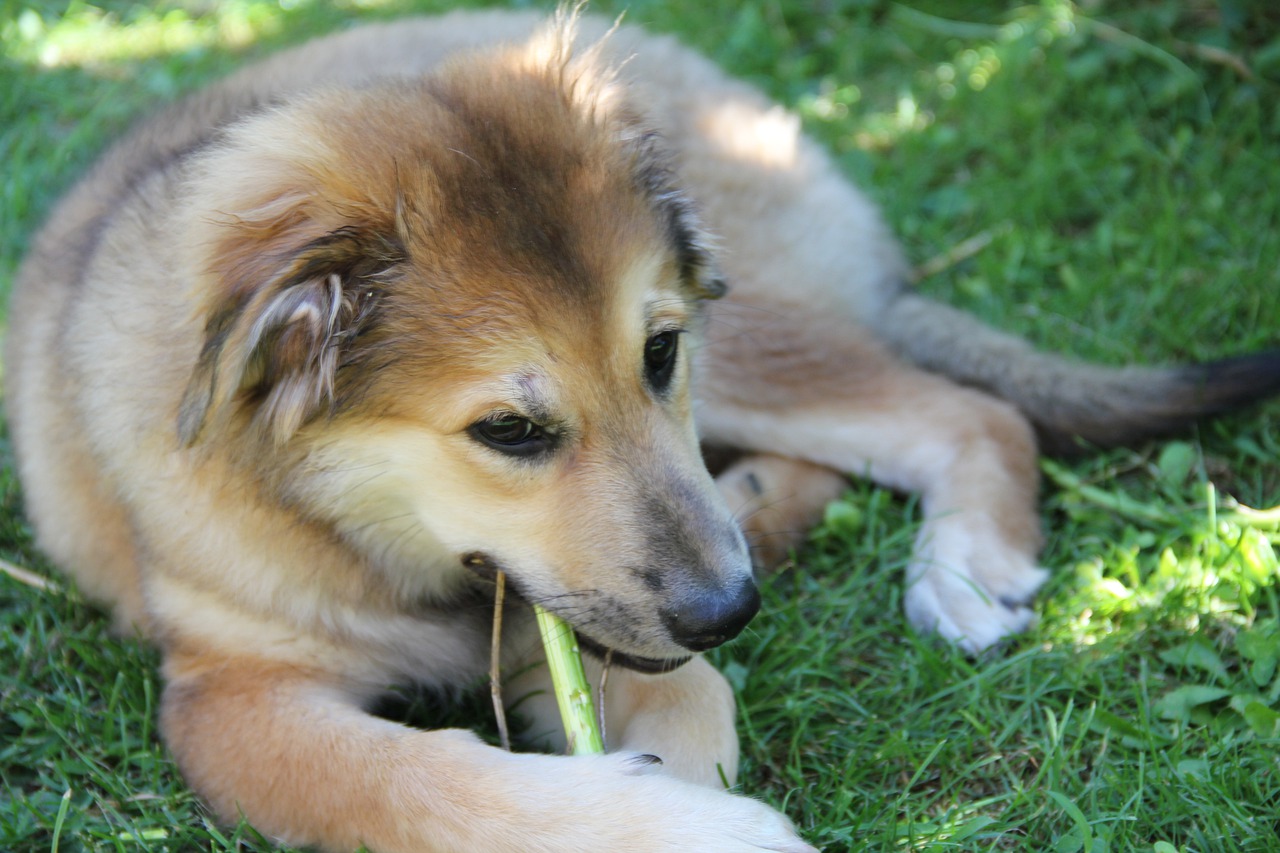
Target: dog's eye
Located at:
point(511, 434)
point(660, 358)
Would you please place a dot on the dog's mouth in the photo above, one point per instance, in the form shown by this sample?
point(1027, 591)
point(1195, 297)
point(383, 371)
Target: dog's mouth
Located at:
point(485, 567)
point(650, 666)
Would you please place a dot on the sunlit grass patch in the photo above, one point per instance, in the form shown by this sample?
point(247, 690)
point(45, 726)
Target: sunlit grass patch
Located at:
point(1195, 580)
point(1181, 557)
point(90, 36)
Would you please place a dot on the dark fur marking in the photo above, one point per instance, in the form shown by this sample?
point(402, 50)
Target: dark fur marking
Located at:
point(655, 176)
point(670, 542)
point(361, 258)
point(504, 190)
point(1162, 402)
point(481, 564)
point(651, 578)
point(1230, 382)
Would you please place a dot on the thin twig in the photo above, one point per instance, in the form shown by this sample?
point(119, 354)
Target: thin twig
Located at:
point(495, 659)
point(604, 678)
point(1148, 50)
point(1217, 56)
point(961, 251)
point(28, 577)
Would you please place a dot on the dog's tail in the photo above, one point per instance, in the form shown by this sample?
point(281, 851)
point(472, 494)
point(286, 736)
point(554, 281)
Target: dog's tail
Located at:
point(1065, 399)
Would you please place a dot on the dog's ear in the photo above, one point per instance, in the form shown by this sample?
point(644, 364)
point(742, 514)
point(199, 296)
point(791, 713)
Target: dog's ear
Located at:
point(279, 330)
point(693, 247)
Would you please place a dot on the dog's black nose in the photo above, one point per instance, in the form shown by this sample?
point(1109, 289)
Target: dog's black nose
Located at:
point(712, 617)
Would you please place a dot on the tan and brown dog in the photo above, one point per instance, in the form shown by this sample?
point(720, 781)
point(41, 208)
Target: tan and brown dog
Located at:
point(307, 357)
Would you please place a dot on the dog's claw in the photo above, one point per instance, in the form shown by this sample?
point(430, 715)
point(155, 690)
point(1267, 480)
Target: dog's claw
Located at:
point(643, 763)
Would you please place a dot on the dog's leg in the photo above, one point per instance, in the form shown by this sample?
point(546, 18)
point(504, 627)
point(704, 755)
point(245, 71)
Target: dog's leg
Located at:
point(294, 752)
point(824, 391)
point(777, 501)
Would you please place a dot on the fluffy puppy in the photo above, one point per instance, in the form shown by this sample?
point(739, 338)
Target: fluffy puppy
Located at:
point(308, 357)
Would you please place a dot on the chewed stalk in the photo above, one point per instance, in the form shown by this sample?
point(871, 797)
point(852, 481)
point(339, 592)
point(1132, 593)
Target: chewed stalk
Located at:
point(573, 693)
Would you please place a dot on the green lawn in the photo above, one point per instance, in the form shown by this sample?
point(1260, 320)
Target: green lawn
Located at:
point(1119, 165)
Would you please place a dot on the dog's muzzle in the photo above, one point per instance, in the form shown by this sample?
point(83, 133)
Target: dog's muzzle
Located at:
point(702, 621)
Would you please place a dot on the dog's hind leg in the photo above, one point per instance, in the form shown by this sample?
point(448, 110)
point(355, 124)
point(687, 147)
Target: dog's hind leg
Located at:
point(822, 390)
point(777, 500)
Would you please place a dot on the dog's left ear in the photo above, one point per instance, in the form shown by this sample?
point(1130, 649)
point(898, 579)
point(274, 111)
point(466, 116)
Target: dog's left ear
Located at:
point(279, 332)
point(694, 254)
point(693, 247)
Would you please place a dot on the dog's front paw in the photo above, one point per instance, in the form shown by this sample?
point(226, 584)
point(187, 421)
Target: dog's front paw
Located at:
point(713, 820)
point(663, 813)
point(967, 584)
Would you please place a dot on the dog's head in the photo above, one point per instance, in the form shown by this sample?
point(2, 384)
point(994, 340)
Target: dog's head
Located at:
point(458, 315)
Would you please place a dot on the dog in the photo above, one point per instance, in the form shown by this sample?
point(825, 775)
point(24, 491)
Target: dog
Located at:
point(307, 359)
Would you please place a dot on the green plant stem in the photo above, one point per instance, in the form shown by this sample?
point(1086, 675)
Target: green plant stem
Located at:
point(573, 693)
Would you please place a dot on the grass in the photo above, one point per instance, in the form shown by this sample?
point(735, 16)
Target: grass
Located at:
point(1118, 162)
